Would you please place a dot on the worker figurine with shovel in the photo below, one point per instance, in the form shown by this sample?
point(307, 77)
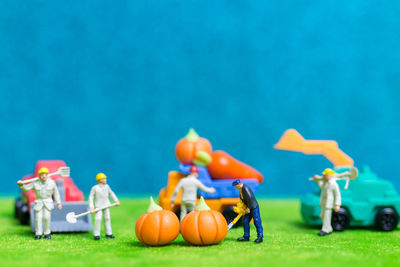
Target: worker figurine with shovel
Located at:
point(44, 189)
point(99, 203)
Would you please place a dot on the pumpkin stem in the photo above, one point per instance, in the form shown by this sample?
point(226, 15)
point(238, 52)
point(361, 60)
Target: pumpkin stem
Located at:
point(153, 206)
point(192, 135)
point(202, 205)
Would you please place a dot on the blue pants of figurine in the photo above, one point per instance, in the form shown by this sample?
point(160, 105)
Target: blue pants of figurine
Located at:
point(255, 214)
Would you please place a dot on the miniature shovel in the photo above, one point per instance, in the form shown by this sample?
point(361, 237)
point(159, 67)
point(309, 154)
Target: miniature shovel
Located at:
point(62, 171)
point(71, 217)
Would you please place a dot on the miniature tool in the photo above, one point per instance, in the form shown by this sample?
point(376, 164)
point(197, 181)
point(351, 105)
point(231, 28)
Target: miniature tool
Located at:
point(71, 217)
point(240, 209)
point(351, 174)
point(62, 171)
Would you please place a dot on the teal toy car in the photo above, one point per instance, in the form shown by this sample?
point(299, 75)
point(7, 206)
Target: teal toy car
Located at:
point(369, 201)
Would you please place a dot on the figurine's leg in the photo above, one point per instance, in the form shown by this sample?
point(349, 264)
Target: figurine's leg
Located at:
point(97, 223)
point(107, 222)
point(257, 221)
point(326, 221)
point(46, 220)
point(190, 206)
point(246, 225)
point(183, 211)
point(39, 222)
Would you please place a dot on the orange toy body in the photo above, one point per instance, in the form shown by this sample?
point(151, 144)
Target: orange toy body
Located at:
point(204, 227)
point(157, 228)
point(188, 147)
point(224, 166)
point(291, 140)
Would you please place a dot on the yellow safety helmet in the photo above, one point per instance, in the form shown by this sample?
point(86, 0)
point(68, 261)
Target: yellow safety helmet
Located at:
point(328, 171)
point(43, 170)
point(100, 176)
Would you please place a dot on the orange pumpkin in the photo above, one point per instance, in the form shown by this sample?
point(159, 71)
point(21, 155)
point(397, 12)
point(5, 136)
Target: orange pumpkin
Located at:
point(157, 227)
point(193, 149)
point(204, 226)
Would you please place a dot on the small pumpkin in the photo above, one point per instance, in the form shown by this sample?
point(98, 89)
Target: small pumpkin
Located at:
point(157, 227)
point(193, 149)
point(204, 226)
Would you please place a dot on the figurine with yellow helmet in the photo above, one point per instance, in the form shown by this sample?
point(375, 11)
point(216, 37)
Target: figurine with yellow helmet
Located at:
point(99, 197)
point(330, 198)
point(45, 189)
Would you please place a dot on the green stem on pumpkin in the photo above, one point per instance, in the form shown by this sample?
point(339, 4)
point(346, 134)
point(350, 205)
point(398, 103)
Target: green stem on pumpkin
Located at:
point(202, 205)
point(192, 135)
point(153, 206)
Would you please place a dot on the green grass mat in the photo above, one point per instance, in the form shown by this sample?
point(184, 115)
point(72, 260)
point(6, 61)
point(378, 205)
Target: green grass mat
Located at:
point(287, 242)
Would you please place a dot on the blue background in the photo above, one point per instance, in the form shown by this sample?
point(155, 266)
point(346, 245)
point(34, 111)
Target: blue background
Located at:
point(111, 86)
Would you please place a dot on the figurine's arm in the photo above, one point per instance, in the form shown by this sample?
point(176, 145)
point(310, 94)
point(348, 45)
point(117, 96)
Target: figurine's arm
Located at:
point(176, 191)
point(26, 187)
point(113, 196)
point(338, 198)
point(201, 186)
point(91, 198)
point(318, 180)
point(56, 195)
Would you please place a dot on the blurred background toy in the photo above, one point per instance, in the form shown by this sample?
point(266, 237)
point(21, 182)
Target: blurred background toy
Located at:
point(369, 201)
point(71, 197)
point(189, 186)
point(194, 150)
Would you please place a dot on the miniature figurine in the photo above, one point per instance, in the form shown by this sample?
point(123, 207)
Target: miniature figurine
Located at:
point(99, 197)
point(330, 199)
point(44, 190)
point(252, 211)
point(189, 184)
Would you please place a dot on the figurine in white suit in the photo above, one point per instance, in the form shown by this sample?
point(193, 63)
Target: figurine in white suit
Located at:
point(44, 189)
point(189, 185)
point(100, 197)
point(330, 199)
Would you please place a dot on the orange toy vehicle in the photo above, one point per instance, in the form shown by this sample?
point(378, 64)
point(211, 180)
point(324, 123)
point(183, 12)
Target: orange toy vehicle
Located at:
point(216, 169)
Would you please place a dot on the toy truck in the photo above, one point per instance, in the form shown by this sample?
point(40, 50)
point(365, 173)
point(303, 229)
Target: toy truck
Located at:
point(72, 199)
point(223, 200)
point(369, 200)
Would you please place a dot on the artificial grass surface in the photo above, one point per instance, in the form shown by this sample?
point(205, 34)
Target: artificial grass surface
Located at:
point(287, 242)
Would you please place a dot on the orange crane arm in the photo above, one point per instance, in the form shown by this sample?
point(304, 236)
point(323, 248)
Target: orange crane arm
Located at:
point(291, 140)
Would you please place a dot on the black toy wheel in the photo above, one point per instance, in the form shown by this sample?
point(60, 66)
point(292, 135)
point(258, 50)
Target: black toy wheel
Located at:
point(387, 219)
point(17, 207)
point(229, 215)
point(24, 214)
point(340, 220)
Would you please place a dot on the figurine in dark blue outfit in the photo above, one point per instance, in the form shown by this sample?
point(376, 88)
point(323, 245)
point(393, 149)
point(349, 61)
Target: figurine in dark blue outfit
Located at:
point(253, 211)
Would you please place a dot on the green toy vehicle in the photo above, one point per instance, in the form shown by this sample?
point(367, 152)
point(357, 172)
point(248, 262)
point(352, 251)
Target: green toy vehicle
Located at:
point(369, 201)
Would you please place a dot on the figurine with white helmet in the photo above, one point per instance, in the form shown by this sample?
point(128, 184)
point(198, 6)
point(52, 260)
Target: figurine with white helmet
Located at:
point(99, 197)
point(45, 189)
point(189, 185)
